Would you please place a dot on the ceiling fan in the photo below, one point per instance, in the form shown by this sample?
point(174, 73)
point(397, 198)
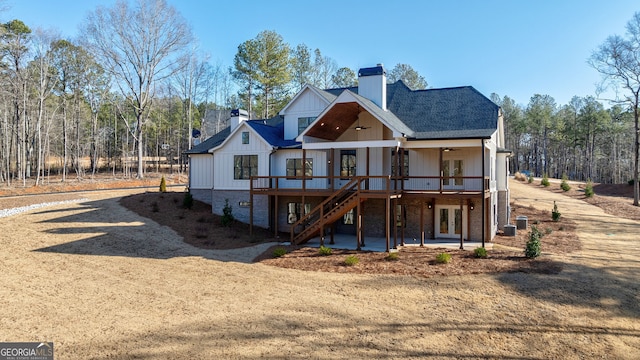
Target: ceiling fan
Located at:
point(360, 127)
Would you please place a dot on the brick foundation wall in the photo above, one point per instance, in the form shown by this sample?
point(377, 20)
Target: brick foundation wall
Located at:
point(503, 208)
point(260, 206)
point(203, 195)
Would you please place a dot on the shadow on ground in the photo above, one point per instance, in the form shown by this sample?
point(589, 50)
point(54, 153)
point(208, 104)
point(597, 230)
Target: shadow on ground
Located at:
point(108, 234)
point(613, 288)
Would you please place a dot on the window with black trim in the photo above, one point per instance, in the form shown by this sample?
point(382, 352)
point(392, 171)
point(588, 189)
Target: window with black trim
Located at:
point(245, 137)
point(245, 166)
point(347, 163)
point(295, 168)
point(304, 122)
point(404, 160)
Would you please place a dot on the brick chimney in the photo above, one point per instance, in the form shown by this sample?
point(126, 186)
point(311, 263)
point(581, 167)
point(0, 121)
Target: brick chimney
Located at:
point(372, 84)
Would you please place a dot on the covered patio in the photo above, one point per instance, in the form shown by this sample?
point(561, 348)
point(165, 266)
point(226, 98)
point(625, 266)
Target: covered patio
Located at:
point(348, 242)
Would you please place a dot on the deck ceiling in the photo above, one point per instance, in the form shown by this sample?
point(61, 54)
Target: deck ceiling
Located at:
point(336, 121)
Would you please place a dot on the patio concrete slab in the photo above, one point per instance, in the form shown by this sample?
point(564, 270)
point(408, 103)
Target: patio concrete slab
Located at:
point(348, 242)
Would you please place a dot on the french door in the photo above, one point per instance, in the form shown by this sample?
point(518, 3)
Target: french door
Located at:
point(451, 168)
point(450, 221)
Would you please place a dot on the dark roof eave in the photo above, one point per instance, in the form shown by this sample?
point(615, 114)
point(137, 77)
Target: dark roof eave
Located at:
point(504, 151)
point(450, 138)
point(296, 146)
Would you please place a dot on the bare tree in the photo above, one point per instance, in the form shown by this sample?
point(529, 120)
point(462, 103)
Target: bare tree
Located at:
point(617, 59)
point(15, 37)
point(45, 84)
point(139, 46)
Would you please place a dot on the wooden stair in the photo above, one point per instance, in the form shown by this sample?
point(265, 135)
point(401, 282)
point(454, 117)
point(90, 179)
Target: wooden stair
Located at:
point(330, 210)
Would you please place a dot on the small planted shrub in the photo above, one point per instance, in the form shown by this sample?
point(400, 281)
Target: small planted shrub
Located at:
point(443, 258)
point(187, 202)
point(588, 189)
point(480, 252)
point(545, 180)
point(163, 185)
point(532, 248)
point(555, 214)
point(227, 213)
point(630, 182)
point(279, 252)
point(324, 250)
point(392, 256)
point(564, 185)
point(351, 260)
point(530, 179)
point(548, 231)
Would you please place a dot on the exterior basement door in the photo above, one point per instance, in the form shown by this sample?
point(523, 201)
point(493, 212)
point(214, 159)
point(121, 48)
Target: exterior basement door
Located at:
point(451, 221)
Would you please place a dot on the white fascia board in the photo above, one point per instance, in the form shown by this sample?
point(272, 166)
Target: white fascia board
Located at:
point(431, 144)
point(351, 144)
point(299, 94)
point(244, 124)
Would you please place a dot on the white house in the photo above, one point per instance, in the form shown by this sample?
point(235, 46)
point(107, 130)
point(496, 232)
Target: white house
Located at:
point(377, 160)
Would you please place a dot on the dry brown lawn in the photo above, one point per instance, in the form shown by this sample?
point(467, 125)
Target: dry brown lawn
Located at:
point(102, 281)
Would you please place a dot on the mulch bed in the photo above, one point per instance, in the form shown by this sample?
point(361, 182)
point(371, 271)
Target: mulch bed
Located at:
point(413, 261)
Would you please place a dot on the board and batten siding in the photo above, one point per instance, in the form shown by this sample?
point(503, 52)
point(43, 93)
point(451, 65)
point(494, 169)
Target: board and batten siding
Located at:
point(201, 171)
point(224, 164)
point(308, 104)
point(279, 168)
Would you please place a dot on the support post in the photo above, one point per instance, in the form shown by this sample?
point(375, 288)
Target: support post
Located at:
point(461, 227)
point(275, 219)
point(422, 223)
point(251, 206)
point(387, 214)
point(403, 216)
point(358, 226)
point(395, 222)
point(362, 228)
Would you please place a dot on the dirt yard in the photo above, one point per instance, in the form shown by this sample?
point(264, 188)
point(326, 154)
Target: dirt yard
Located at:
point(101, 281)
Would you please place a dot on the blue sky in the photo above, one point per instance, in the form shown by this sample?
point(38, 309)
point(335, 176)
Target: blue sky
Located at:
point(517, 48)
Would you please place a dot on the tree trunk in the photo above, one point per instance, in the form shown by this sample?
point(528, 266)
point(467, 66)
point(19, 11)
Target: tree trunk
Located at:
point(138, 139)
point(636, 188)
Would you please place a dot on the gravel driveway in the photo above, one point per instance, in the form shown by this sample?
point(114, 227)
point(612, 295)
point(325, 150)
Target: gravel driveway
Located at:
point(102, 282)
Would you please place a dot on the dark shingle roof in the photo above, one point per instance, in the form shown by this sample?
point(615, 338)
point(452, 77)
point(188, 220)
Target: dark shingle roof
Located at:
point(447, 113)
point(210, 143)
point(274, 135)
point(272, 130)
point(460, 112)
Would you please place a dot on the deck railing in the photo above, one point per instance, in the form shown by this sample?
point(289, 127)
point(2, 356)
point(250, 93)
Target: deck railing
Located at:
point(426, 184)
